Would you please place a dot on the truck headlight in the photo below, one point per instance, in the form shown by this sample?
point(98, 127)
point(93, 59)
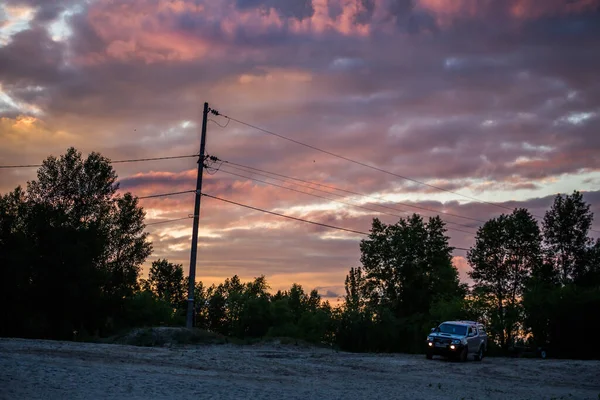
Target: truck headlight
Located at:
point(456, 341)
point(430, 338)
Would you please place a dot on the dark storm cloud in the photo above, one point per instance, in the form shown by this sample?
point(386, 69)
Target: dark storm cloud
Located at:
point(32, 58)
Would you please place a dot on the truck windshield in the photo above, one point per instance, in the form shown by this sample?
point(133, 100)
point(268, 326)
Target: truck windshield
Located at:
point(453, 329)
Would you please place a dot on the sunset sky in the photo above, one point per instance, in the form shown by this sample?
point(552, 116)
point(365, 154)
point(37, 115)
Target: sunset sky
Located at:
point(497, 100)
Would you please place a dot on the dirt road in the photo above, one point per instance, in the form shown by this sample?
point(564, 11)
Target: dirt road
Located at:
point(66, 370)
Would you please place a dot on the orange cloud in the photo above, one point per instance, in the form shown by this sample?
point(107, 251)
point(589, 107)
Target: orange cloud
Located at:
point(31, 132)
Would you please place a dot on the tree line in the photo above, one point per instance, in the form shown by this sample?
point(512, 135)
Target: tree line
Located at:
point(71, 250)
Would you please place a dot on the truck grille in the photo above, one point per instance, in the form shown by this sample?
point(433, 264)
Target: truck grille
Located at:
point(442, 340)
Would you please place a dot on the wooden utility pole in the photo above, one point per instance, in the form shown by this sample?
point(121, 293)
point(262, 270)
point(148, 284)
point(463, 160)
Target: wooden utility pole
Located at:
point(194, 251)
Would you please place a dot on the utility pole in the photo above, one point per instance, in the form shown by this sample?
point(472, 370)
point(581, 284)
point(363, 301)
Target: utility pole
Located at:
point(194, 251)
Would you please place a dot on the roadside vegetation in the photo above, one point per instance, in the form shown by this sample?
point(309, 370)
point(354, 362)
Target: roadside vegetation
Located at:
point(71, 250)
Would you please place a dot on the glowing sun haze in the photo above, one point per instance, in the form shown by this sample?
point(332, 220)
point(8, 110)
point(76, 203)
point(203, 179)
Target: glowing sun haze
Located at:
point(495, 99)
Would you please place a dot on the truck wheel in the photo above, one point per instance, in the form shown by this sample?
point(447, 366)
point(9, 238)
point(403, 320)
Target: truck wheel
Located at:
point(429, 356)
point(479, 355)
point(463, 355)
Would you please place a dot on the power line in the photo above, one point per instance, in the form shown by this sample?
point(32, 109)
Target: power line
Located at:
point(285, 216)
point(222, 126)
point(307, 193)
point(370, 166)
point(20, 166)
point(328, 198)
point(165, 194)
point(296, 219)
point(234, 165)
point(111, 162)
point(168, 221)
point(359, 162)
point(154, 159)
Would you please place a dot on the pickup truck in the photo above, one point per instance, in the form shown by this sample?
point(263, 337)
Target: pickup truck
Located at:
point(457, 339)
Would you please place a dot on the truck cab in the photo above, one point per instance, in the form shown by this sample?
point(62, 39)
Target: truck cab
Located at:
point(457, 339)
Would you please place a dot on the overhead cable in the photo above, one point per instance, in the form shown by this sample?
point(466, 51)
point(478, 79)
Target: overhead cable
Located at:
point(361, 163)
point(111, 162)
point(328, 198)
point(285, 216)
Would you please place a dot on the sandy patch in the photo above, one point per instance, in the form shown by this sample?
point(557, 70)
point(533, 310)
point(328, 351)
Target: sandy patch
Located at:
point(36, 369)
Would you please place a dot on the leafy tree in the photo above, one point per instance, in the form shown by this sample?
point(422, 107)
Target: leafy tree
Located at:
point(540, 300)
point(127, 246)
point(83, 189)
point(566, 227)
point(407, 266)
point(562, 293)
point(254, 317)
point(295, 314)
point(58, 280)
point(167, 282)
point(281, 316)
point(297, 302)
point(406, 269)
point(591, 275)
point(86, 192)
point(15, 263)
point(145, 309)
point(216, 309)
point(353, 284)
point(352, 327)
point(73, 246)
point(506, 251)
point(235, 308)
point(201, 299)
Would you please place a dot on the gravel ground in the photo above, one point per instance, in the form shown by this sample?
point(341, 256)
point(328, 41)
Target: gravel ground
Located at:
point(37, 369)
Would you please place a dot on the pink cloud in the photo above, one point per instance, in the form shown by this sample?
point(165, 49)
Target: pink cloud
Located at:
point(489, 96)
point(519, 9)
point(462, 265)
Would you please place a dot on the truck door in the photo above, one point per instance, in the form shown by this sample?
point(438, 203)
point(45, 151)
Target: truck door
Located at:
point(472, 339)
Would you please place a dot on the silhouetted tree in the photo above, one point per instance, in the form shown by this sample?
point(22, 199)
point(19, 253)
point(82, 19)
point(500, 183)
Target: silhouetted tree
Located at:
point(590, 276)
point(408, 265)
point(72, 246)
point(506, 251)
point(167, 282)
point(353, 285)
point(406, 268)
point(564, 291)
point(566, 227)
